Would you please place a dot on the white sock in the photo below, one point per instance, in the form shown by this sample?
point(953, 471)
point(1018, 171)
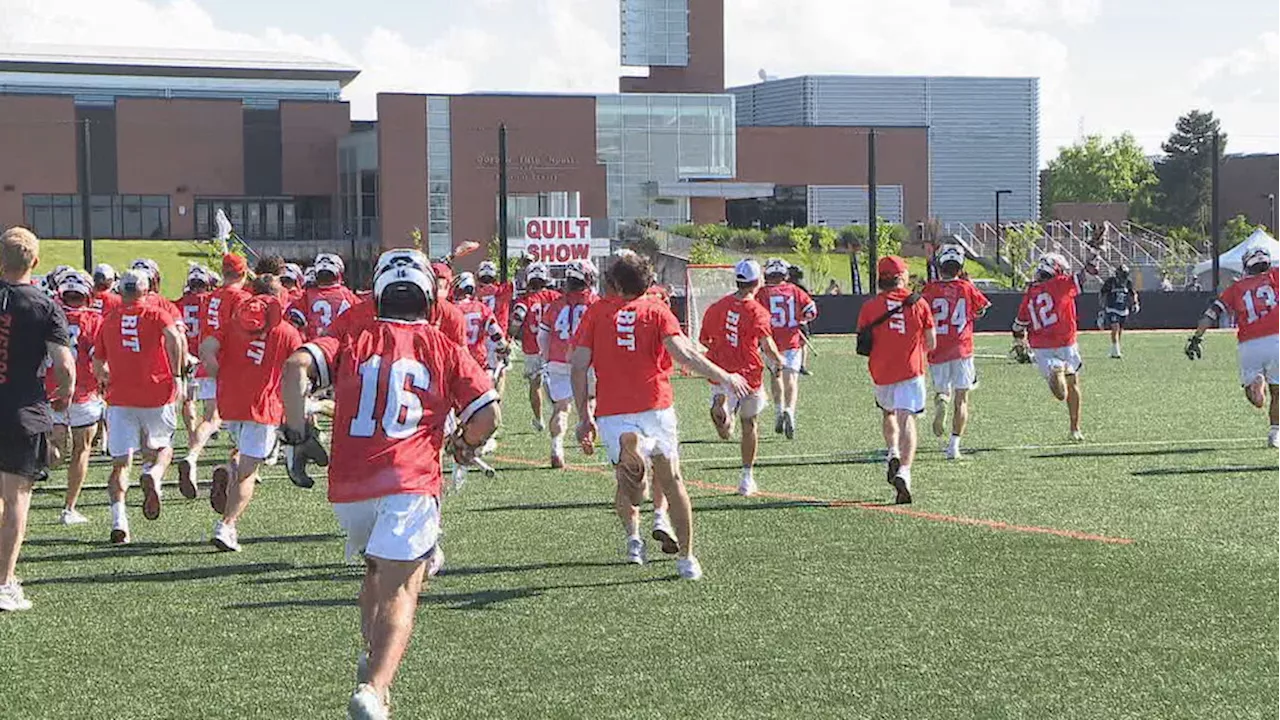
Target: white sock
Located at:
point(893, 453)
point(119, 520)
point(781, 409)
point(1275, 428)
point(954, 445)
point(659, 517)
point(634, 537)
point(193, 457)
point(557, 446)
point(904, 472)
point(748, 473)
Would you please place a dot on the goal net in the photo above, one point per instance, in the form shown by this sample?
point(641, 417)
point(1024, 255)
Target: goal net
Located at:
point(703, 285)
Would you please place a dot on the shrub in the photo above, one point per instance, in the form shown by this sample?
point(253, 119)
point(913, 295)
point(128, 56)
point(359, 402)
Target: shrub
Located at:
point(747, 240)
point(704, 252)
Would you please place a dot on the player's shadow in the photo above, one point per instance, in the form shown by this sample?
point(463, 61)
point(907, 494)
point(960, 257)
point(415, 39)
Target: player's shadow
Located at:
point(816, 462)
point(478, 600)
point(1123, 453)
point(545, 506)
point(107, 551)
point(1226, 469)
point(770, 505)
point(200, 573)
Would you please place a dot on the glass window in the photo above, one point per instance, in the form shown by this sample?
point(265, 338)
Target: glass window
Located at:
point(369, 206)
point(287, 219)
point(131, 209)
point(271, 220)
point(253, 215)
point(100, 216)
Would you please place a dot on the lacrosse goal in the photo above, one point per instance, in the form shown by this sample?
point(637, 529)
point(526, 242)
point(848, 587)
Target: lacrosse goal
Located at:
point(703, 285)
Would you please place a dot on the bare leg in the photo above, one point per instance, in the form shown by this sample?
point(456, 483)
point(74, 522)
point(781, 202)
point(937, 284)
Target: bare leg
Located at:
point(189, 419)
point(1073, 401)
point(535, 397)
point(1274, 413)
point(1058, 384)
point(204, 430)
point(57, 445)
point(721, 418)
point(750, 440)
point(666, 473)
point(960, 416)
point(889, 426)
point(630, 473)
point(368, 606)
point(16, 492)
point(118, 481)
point(395, 600)
point(240, 490)
point(775, 390)
point(557, 426)
point(906, 423)
point(790, 390)
point(81, 444)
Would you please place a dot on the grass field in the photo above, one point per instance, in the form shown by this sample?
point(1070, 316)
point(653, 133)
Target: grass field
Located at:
point(1134, 576)
point(171, 255)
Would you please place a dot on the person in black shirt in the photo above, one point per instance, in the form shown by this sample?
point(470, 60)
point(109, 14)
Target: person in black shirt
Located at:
point(1117, 298)
point(32, 327)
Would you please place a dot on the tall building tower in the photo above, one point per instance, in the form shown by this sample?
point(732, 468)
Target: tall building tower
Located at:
point(680, 41)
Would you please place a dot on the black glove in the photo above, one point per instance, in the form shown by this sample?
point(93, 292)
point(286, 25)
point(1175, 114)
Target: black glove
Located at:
point(1193, 350)
point(1020, 353)
point(300, 449)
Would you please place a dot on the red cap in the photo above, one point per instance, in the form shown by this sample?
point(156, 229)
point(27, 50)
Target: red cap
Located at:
point(442, 272)
point(234, 264)
point(891, 266)
point(258, 314)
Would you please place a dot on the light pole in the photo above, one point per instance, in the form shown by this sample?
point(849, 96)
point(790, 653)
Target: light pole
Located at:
point(1271, 207)
point(998, 194)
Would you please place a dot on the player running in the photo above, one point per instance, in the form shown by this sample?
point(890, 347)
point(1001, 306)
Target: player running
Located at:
point(1047, 322)
point(1252, 300)
point(525, 319)
point(1118, 298)
point(251, 350)
point(193, 305)
point(327, 300)
point(788, 307)
point(221, 309)
point(497, 296)
point(956, 303)
point(139, 357)
point(736, 330)
point(902, 330)
point(395, 380)
point(560, 321)
point(630, 341)
point(80, 419)
point(484, 334)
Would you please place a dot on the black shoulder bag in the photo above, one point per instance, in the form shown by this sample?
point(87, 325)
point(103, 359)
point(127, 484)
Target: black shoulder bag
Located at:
point(864, 333)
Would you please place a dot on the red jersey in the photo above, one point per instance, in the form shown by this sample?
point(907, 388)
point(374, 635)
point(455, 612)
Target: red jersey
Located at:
point(561, 320)
point(83, 327)
point(255, 361)
point(1049, 309)
point(192, 307)
point(1252, 299)
point(659, 293)
point(732, 329)
point(320, 305)
point(626, 340)
point(132, 344)
point(220, 308)
point(481, 328)
point(169, 306)
point(445, 317)
point(897, 352)
point(788, 307)
point(394, 384)
point(497, 296)
point(104, 301)
point(528, 311)
point(956, 304)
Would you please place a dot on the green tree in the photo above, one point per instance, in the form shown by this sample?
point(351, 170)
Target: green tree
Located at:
point(1237, 230)
point(1018, 242)
point(1181, 253)
point(1183, 189)
point(1096, 170)
point(705, 252)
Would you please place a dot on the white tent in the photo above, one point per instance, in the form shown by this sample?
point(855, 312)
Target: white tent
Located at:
point(1229, 261)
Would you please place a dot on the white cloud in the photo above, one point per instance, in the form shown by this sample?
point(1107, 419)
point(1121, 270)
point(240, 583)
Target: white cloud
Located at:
point(572, 46)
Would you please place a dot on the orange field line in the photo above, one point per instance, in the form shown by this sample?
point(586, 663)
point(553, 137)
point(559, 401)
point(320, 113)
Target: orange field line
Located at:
point(893, 509)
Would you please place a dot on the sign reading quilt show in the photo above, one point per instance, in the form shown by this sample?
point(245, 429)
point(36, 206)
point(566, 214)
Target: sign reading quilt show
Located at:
point(558, 240)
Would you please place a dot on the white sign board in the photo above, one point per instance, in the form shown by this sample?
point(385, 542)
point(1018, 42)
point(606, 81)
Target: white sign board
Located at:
point(557, 240)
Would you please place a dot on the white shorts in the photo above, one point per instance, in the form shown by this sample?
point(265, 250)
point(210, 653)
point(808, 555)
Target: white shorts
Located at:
point(1259, 356)
point(559, 382)
point(533, 366)
point(657, 430)
point(206, 388)
point(748, 407)
point(791, 361)
point(907, 395)
point(130, 429)
point(396, 527)
point(953, 375)
point(79, 415)
point(253, 439)
point(1050, 359)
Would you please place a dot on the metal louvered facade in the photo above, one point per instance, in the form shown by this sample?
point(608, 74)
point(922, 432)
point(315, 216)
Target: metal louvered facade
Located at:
point(984, 133)
point(840, 205)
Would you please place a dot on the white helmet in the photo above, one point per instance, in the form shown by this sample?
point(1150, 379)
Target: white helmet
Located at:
point(949, 253)
point(538, 271)
point(103, 272)
point(309, 275)
point(404, 265)
point(583, 270)
point(465, 283)
point(775, 266)
point(199, 273)
point(328, 262)
point(1256, 256)
point(487, 269)
point(294, 271)
point(1052, 263)
point(76, 282)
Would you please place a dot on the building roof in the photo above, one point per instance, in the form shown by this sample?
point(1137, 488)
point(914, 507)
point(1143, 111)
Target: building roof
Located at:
point(171, 62)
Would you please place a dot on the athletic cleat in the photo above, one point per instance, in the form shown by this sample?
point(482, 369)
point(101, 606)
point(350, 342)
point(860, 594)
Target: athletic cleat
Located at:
point(951, 454)
point(435, 561)
point(747, 487)
point(225, 537)
point(537, 425)
point(778, 424)
point(12, 599)
point(939, 416)
point(218, 491)
point(150, 497)
point(366, 705)
point(689, 568)
point(666, 535)
point(1255, 391)
point(902, 491)
point(72, 517)
point(362, 668)
point(895, 465)
point(789, 426)
point(635, 551)
point(806, 372)
point(119, 536)
point(1077, 436)
point(186, 479)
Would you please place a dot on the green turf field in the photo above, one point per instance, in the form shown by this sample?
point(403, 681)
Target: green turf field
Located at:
point(172, 256)
point(1134, 576)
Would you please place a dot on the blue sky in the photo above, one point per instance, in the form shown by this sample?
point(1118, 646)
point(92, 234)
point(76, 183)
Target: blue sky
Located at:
point(1106, 66)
